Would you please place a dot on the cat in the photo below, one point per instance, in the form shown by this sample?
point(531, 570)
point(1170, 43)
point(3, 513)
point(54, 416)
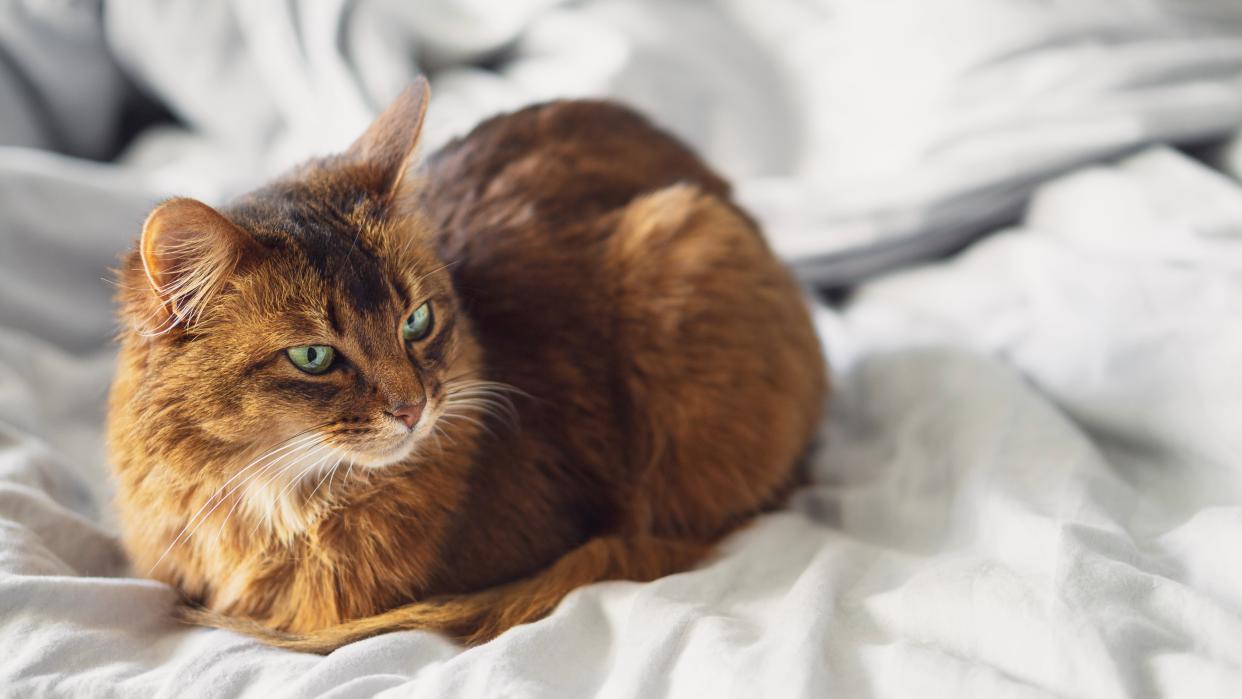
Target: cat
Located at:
point(378, 394)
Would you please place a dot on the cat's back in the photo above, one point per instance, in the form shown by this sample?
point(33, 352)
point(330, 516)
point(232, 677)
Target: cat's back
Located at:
point(609, 277)
point(523, 209)
point(558, 163)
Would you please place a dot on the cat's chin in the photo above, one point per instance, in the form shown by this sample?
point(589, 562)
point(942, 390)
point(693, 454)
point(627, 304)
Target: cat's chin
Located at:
point(397, 452)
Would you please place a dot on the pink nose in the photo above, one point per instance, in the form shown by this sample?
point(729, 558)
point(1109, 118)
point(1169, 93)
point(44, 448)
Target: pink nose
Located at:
point(408, 413)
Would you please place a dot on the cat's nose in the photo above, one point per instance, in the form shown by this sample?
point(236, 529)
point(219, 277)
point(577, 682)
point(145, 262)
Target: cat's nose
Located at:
point(408, 412)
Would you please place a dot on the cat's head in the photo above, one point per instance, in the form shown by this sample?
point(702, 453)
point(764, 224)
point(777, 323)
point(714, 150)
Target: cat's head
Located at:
point(312, 315)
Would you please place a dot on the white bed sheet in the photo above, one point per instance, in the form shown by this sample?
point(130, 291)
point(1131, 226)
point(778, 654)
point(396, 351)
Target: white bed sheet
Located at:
point(863, 134)
point(1030, 487)
point(1031, 479)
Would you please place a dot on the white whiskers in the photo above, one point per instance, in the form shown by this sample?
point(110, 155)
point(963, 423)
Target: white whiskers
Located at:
point(471, 401)
point(466, 401)
point(317, 451)
point(297, 455)
point(331, 472)
point(276, 458)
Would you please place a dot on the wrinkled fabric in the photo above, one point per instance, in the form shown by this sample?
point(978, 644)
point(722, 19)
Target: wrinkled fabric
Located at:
point(864, 135)
point(1028, 482)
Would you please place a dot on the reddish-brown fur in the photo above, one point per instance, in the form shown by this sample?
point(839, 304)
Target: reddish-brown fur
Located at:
point(661, 367)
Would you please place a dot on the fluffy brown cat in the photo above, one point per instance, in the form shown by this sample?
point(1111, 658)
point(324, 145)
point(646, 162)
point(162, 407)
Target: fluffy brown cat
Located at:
point(375, 396)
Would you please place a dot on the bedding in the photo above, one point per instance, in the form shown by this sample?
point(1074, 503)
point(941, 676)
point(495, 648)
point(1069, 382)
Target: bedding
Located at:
point(1028, 484)
point(865, 135)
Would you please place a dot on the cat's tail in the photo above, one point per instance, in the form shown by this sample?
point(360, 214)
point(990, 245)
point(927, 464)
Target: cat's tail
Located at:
point(476, 617)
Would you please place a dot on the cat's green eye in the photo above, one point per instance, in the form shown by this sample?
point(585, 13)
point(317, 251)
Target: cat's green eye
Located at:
point(313, 359)
point(418, 325)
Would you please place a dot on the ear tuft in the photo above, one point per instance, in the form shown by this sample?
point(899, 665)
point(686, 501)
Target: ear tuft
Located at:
point(390, 141)
point(188, 252)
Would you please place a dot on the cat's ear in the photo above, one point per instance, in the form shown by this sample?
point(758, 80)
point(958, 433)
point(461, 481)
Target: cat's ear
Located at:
point(188, 251)
point(389, 143)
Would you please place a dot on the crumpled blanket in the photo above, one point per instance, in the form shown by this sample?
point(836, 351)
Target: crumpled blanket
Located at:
point(1028, 482)
point(864, 135)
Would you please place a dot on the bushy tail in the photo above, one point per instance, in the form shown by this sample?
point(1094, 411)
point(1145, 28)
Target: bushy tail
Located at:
point(476, 617)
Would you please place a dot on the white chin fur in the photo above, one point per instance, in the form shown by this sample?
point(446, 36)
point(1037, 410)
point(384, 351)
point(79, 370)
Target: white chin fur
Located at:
point(398, 452)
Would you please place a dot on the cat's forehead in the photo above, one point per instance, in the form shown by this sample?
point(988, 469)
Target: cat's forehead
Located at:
point(331, 234)
point(344, 260)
